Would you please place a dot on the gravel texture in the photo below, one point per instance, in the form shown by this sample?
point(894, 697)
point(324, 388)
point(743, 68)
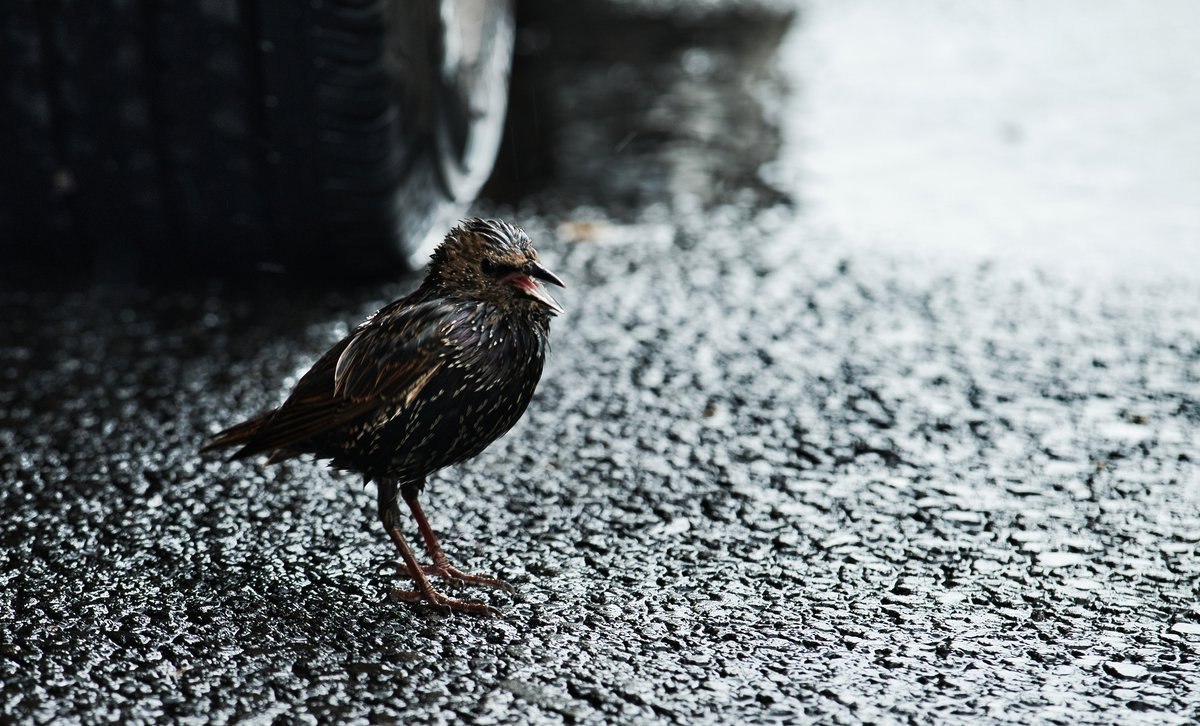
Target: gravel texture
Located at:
point(770, 474)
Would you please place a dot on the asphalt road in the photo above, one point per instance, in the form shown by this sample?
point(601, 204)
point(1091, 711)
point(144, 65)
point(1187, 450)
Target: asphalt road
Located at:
point(777, 469)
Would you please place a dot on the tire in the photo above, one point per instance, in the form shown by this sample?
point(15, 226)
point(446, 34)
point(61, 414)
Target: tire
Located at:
point(241, 134)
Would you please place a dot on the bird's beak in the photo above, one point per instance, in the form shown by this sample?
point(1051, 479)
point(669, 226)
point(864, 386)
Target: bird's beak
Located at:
point(527, 281)
point(535, 269)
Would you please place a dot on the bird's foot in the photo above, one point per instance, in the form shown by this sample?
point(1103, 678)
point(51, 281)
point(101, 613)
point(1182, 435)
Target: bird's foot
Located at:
point(440, 601)
point(456, 576)
point(446, 571)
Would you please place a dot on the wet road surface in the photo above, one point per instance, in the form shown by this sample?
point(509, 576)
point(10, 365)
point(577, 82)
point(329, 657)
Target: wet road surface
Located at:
point(777, 468)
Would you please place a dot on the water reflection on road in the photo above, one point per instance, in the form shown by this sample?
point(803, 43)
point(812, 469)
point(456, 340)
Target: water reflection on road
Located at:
point(1062, 135)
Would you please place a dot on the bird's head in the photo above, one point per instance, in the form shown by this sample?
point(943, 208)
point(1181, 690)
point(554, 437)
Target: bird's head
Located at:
point(493, 261)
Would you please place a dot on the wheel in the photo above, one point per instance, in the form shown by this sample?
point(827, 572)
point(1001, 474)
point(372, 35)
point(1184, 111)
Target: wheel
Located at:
point(326, 134)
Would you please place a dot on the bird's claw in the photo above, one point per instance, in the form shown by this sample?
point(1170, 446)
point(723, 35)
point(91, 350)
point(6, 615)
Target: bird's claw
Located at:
point(396, 565)
point(453, 574)
point(441, 602)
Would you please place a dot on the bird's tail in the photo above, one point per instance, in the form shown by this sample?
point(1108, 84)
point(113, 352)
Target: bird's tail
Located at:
point(242, 434)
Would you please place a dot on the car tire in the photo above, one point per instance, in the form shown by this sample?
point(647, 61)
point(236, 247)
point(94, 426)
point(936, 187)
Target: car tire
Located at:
point(240, 134)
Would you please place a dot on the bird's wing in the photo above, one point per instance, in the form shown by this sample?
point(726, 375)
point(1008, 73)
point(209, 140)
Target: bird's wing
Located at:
point(309, 411)
point(395, 355)
point(386, 360)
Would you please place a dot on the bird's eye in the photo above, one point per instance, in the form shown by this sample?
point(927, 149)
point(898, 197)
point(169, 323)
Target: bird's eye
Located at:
point(488, 267)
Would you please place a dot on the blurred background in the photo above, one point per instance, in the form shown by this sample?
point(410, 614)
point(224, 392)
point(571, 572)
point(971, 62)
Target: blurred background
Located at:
point(345, 136)
point(877, 397)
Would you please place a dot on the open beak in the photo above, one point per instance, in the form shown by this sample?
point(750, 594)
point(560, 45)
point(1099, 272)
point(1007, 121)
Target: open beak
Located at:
point(535, 269)
point(527, 281)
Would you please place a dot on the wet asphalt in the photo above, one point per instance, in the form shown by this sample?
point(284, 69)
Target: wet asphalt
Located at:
point(772, 473)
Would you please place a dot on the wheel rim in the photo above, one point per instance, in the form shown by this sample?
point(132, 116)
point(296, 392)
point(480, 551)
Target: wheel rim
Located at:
point(477, 45)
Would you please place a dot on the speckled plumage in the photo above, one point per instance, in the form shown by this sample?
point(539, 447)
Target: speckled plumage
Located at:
point(426, 382)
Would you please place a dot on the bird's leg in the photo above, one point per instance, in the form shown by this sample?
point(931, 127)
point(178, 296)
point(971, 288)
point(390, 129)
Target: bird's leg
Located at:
point(389, 513)
point(441, 565)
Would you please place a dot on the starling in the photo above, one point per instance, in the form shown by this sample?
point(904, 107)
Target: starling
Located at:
point(428, 381)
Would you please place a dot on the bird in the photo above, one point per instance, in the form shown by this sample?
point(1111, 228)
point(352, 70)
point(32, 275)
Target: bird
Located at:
point(426, 382)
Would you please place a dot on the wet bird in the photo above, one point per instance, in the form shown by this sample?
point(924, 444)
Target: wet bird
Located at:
point(426, 382)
